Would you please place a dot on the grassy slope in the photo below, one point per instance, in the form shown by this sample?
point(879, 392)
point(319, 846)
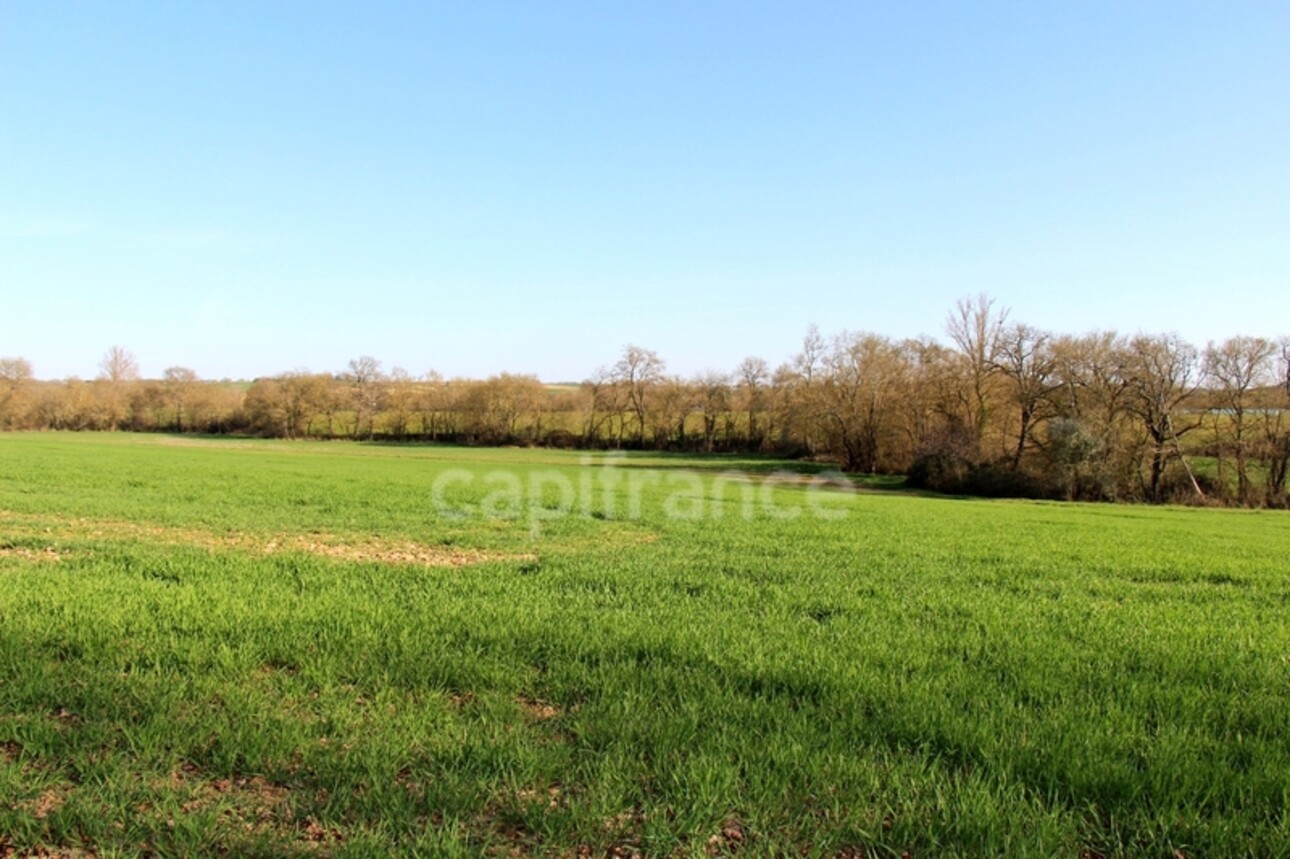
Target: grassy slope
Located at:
point(951, 678)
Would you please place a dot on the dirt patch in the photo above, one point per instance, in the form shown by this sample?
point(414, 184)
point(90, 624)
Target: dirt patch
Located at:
point(10, 751)
point(618, 851)
point(250, 809)
point(354, 548)
point(46, 555)
point(461, 700)
point(551, 797)
point(49, 801)
point(728, 841)
point(8, 852)
point(538, 709)
point(373, 549)
point(65, 717)
point(625, 830)
point(405, 779)
point(314, 835)
point(253, 803)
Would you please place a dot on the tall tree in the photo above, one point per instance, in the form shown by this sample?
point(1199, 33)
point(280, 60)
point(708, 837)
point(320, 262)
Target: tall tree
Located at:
point(711, 398)
point(15, 375)
point(670, 403)
point(810, 360)
point(1091, 408)
point(606, 406)
point(119, 370)
point(976, 327)
point(1237, 368)
point(854, 402)
point(1275, 425)
point(1160, 373)
point(1025, 359)
point(366, 391)
point(178, 383)
point(753, 376)
point(638, 370)
point(400, 401)
point(797, 383)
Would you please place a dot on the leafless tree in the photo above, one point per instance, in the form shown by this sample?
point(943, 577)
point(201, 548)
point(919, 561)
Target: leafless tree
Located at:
point(1275, 425)
point(432, 403)
point(753, 376)
point(401, 392)
point(178, 384)
point(15, 375)
point(638, 370)
point(607, 406)
point(976, 328)
point(364, 379)
point(119, 369)
point(119, 365)
point(854, 401)
point(670, 403)
point(712, 401)
point(1025, 360)
point(1160, 373)
point(1237, 368)
point(808, 362)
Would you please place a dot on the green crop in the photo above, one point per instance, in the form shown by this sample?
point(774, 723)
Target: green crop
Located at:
point(276, 648)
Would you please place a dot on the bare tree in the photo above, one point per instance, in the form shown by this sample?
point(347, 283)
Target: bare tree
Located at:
point(119, 365)
point(753, 376)
point(810, 360)
point(606, 406)
point(303, 394)
point(1238, 367)
point(797, 383)
point(119, 369)
point(931, 417)
point(433, 404)
point(638, 370)
point(15, 374)
point(1160, 376)
point(1088, 367)
point(365, 379)
point(670, 403)
point(712, 400)
point(178, 384)
point(854, 402)
point(400, 401)
point(1091, 407)
point(69, 405)
point(1025, 359)
point(976, 328)
point(1275, 425)
point(286, 405)
point(498, 407)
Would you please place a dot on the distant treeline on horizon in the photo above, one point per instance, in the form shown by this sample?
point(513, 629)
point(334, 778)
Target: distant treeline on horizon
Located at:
point(1003, 408)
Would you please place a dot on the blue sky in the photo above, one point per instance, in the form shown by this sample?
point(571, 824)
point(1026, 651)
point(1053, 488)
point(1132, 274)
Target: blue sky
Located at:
point(246, 188)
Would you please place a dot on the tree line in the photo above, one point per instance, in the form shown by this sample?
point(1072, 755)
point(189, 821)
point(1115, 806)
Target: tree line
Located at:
point(999, 408)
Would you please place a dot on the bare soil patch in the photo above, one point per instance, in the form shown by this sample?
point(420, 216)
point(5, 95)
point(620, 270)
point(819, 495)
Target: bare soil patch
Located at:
point(45, 555)
point(345, 547)
point(535, 708)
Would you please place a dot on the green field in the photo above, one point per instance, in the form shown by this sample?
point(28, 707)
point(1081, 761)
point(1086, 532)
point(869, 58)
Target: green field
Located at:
point(276, 648)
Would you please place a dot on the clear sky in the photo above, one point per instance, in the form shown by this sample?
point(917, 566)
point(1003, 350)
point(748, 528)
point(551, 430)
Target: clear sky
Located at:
point(247, 188)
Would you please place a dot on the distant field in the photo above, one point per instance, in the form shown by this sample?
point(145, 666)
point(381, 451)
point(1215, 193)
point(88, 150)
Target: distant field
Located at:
point(276, 648)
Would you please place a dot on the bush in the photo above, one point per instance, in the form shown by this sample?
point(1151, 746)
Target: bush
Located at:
point(1000, 480)
point(944, 472)
point(939, 471)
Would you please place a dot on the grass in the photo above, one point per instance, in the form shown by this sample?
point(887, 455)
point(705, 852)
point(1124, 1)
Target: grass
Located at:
point(275, 648)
